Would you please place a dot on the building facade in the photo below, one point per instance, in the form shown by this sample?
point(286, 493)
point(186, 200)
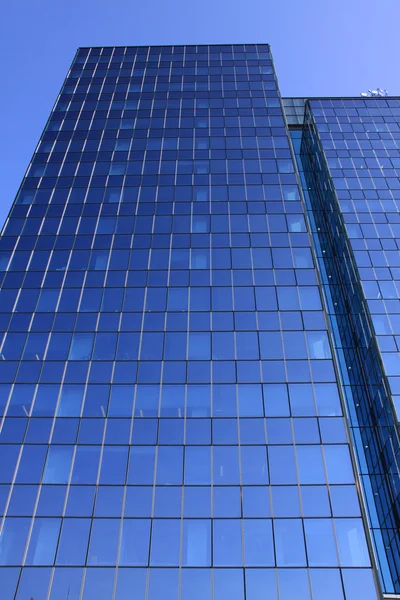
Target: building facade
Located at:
point(347, 155)
point(198, 379)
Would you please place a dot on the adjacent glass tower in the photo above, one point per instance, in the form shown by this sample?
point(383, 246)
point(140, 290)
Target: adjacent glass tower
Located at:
point(348, 153)
point(175, 422)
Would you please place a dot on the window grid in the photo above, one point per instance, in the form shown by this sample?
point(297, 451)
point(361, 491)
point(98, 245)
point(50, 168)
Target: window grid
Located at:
point(180, 431)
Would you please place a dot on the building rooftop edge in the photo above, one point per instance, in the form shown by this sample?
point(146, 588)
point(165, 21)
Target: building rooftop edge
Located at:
point(305, 98)
point(175, 45)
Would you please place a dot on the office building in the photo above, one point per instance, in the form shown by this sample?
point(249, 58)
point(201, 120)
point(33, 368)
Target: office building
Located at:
point(199, 364)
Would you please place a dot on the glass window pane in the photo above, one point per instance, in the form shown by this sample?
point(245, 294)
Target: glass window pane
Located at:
point(293, 583)
point(289, 543)
point(168, 501)
point(141, 465)
point(353, 551)
point(359, 583)
point(256, 501)
point(196, 584)
point(66, 581)
point(12, 541)
point(165, 542)
point(227, 540)
point(128, 580)
point(254, 465)
point(104, 542)
point(228, 583)
point(9, 579)
point(261, 583)
point(73, 543)
point(43, 541)
point(338, 464)
point(58, 464)
point(285, 501)
point(197, 465)
point(98, 584)
point(34, 583)
point(326, 584)
point(196, 550)
point(226, 465)
point(310, 463)
point(135, 542)
point(197, 501)
point(163, 584)
point(227, 501)
point(109, 501)
point(258, 543)
point(320, 542)
point(282, 464)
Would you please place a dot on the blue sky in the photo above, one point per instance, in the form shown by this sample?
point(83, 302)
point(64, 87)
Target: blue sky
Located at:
point(320, 47)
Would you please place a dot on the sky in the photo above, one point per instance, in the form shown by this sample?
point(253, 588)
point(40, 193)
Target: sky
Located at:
point(320, 48)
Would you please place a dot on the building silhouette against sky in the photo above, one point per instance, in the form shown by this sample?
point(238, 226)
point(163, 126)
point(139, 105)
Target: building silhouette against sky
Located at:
point(200, 327)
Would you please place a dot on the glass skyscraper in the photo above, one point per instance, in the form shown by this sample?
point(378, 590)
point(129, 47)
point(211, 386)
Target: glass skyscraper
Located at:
point(199, 362)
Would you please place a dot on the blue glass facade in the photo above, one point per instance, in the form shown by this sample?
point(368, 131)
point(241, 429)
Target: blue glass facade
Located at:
point(172, 427)
point(348, 153)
